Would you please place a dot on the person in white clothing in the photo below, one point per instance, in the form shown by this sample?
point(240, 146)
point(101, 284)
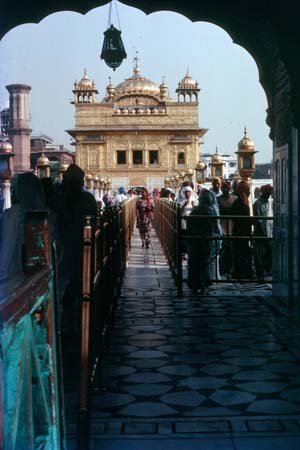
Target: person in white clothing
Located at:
point(120, 197)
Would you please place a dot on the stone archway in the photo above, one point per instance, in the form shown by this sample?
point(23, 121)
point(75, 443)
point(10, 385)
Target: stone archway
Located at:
point(271, 37)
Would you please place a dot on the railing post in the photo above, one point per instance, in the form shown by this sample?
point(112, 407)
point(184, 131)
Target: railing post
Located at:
point(179, 251)
point(83, 424)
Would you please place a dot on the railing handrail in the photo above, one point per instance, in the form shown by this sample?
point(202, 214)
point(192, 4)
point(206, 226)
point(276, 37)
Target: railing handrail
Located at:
point(106, 244)
point(17, 294)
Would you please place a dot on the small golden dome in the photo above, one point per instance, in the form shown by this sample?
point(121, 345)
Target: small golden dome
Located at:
point(246, 143)
point(201, 165)
point(217, 158)
point(43, 161)
point(85, 83)
point(5, 147)
point(89, 176)
point(110, 88)
point(64, 165)
point(163, 88)
point(187, 82)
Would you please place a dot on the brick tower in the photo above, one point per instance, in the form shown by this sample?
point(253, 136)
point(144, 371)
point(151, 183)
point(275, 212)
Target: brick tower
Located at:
point(19, 130)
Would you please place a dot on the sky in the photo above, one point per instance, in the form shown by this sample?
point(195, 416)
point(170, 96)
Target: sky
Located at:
point(51, 55)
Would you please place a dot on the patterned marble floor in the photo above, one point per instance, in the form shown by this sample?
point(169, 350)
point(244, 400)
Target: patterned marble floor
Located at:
point(225, 366)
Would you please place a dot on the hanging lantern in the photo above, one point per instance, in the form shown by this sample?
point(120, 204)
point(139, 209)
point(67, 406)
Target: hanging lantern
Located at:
point(113, 51)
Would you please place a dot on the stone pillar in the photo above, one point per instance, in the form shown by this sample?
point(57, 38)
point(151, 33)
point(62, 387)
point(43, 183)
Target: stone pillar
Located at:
point(19, 129)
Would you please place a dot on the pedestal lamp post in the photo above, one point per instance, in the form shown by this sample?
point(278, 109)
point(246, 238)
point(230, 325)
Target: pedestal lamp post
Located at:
point(200, 171)
point(246, 161)
point(176, 184)
point(101, 186)
point(166, 182)
point(63, 169)
point(182, 175)
point(43, 166)
point(108, 185)
point(89, 182)
point(96, 188)
point(217, 165)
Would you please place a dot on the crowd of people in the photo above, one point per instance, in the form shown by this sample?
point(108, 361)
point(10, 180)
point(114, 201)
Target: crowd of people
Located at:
point(209, 256)
point(214, 253)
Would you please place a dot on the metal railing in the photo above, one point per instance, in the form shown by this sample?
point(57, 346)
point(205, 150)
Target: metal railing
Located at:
point(167, 224)
point(239, 252)
point(31, 410)
point(106, 243)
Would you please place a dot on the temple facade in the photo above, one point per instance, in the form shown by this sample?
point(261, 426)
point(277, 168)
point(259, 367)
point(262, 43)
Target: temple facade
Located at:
point(137, 135)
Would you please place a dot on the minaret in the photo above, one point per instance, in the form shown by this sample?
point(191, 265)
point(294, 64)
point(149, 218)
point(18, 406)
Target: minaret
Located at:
point(188, 89)
point(19, 127)
point(85, 91)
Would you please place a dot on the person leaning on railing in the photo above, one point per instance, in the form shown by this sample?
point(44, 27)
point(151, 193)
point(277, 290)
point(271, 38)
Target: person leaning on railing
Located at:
point(200, 250)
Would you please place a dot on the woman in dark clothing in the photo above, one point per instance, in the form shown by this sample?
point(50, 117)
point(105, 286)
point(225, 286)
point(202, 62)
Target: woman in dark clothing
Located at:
point(242, 252)
point(200, 250)
point(72, 203)
point(144, 216)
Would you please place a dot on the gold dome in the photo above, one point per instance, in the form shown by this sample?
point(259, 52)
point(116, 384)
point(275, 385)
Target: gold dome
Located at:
point(217, 158)
point(137, 85)
point(5, 147)
point(89, 176)
point(110, 88)
point(201, 165)
point(187, 82)
point(43, 161)
point(64, 165)
point(85, 83)
point(246, 142)
point(163, 88)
